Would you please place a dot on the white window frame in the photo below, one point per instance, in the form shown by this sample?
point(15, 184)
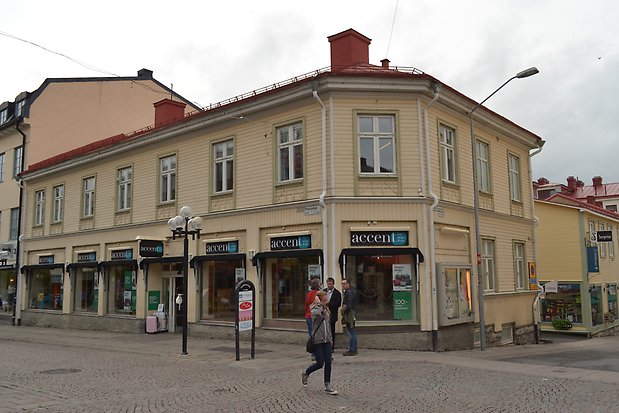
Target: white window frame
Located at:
point(482, 154)
point(57, 212)
point(19, 107)
point(515, 187)
point(39, 207)
point(167, 179)
point(520, 272)
point(381, 140)
point(289, 142)
point(124, 179)
point(448, 154)
point(14, 224)
point(2, 164)
point(602, 245)
point(223, 166)
point(18, 155)
point(4, 115)
point(488, 264)
point(88, 197)
point(611, 245)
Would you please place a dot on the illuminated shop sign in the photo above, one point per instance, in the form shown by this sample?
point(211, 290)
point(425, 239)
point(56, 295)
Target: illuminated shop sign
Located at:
point(299, 242)
point(222, 247)
point(46, 259)
point(86, 257)
point(150, 248)
point(121, 254)
point(378, 238)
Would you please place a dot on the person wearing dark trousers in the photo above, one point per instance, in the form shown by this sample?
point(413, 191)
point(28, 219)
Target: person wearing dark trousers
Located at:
point(309, 300)
point(334, 298)
point(349, 311)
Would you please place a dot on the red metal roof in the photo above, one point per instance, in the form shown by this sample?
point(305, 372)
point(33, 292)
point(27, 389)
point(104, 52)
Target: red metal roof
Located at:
point(568, 200)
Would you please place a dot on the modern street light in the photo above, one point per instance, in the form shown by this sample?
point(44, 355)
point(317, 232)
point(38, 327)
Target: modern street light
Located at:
point(480, 285)
point(184, 225)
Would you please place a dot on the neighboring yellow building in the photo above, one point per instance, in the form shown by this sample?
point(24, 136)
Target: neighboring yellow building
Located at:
point(577, 263)
point(60, 115)
point(360, 171)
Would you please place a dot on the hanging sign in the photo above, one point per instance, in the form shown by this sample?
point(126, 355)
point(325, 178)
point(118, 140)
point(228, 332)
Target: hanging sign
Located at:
point(151, 248)
point(604, 236)
point(593, 263)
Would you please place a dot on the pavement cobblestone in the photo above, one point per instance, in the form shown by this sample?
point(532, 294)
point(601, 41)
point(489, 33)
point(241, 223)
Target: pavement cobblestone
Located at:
point(53, 370)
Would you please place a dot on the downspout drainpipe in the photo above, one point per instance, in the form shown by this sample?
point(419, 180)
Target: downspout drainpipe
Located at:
point(332, 183)
point(432, 264)
point(16, 320)
point(323, 194)
point(536, 310)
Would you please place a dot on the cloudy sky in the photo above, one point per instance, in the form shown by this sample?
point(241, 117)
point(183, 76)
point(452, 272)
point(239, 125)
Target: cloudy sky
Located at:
point(210, 51)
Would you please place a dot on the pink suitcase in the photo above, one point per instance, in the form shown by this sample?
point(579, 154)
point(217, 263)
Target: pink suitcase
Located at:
point(151, 324)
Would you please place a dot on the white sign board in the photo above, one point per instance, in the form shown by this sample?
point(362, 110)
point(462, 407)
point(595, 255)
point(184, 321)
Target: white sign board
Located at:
point(311, 210)
point(551, 287)
point(246, 310)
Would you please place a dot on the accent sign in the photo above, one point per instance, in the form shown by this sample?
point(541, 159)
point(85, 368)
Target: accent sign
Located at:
point(378, 238)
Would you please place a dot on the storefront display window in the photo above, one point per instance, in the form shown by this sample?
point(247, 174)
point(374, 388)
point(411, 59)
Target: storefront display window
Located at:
point(86, 290)
point(612, 300)
point(565, 304)
point(218, 283)
point(7, 290)
point(287, 283)
point(597, 314)
point(45, 289)
point(457, 302)
point(121, 289)
point(385, 284)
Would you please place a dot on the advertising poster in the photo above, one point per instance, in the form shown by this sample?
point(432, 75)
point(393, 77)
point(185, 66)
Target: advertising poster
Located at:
point(246, 310)
point(313, 271)
point(402, 277)
point(402, 305)
point(153, 300)
point(239, 275)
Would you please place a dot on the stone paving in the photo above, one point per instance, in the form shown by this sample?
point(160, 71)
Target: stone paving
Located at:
point(53, 370)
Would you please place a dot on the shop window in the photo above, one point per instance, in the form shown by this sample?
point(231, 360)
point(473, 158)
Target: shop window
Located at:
point(45, 292)
point(7, 290)
point(612, 301)
point(565, 304)
point(386, 286)
point(455, 294)
point(86, 290)
point(286, 285)
point(218, 284)
point(597, 314)
point(121, 289)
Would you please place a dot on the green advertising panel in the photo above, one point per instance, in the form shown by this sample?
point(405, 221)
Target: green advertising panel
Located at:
point(133, 300)
point(95, 301)
point(402, 305)
point(154, 298)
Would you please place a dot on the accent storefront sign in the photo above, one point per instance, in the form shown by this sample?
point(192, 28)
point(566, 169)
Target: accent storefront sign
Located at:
point(46, 259)
point(86, 257)
point(151, 248)
point(227, 247)
point(298, 242)
point(121, 254)
point(378, 238)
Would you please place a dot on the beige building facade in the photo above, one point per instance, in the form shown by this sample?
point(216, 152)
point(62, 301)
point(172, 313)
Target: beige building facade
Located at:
point(359, 171)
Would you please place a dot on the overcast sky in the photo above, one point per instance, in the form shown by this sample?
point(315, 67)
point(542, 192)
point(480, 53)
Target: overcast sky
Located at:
point(214, 50)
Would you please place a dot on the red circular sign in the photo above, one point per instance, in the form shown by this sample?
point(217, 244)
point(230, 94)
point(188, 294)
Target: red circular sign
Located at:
point(245, 305)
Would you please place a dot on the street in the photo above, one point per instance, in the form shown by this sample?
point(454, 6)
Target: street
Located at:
point(54, 370)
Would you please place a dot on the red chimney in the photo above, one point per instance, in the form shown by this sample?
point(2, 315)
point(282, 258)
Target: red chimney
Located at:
point(597, 181)
point(168, 111)
point(385, 63)
point(542, 181)
point(571, 183)
point(591, 199)
point(349, 48)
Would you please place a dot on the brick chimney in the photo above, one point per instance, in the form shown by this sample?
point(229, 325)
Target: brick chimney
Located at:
point(349, 48)
point(597, 181)
point(385, 63)
point(571, 183)
point(591, 199)
point(168, 111)
point(542, 181)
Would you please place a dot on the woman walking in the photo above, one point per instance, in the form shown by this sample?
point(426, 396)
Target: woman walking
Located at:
point(321, 321)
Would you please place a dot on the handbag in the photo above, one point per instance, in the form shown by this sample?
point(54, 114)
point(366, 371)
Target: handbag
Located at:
point(310, 346)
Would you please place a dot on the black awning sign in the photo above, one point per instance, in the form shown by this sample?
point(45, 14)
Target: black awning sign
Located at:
point(87, 257)
point(151, 249)
point(605, 236)
point(46, 259)
point(298, 242)
point(121, 255)
point(231, 247)
point(378, 238)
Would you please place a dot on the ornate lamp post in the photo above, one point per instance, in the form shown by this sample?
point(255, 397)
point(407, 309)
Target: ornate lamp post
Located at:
point(480, 284)
point(184, 225)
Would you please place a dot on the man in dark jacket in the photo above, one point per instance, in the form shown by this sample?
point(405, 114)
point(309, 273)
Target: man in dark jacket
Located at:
point(335, 301)
point(349, 310)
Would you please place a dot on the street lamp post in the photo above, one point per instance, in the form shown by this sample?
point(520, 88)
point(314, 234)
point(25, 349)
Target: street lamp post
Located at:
point(480, 285)
point(184, 225)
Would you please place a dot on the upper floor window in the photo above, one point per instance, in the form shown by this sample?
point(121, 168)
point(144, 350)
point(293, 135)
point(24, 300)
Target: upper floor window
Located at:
point(611, 245)
point(58, 203)
point(2, 162)
point(519, 272)
point(19, 107)
point(18, 156)
point(448, 153)
point(482, 153)
point(124, 179)
point(602, 245)
point(223, 168)
point(167, 179)
point(377, 144)
point(290, 152)
point(14, 224)
point(487, 261)
point(88, 199)
point(514, 178)
point(3, 115)
point(39, 207)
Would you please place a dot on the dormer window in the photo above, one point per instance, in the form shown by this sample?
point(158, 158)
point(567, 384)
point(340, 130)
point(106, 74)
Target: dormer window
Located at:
point(3, 116)
point(19, 107)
